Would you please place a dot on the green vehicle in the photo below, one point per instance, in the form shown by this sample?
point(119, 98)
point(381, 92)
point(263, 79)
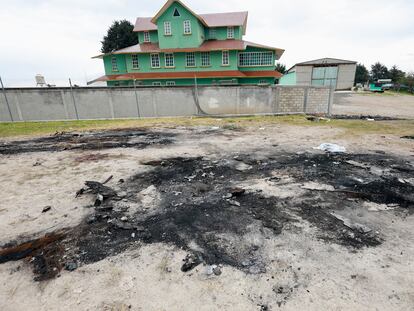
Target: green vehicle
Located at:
point(380, 86)
point(376, 87)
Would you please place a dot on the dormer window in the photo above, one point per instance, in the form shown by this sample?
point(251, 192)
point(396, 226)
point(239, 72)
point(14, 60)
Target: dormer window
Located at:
point(212, 33)
point(230, 32)
point(147, 36)
point(167, 28)
point(187, 27)
point(176, 13)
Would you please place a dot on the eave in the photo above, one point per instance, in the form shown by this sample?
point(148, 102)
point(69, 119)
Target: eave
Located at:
point(189, 75)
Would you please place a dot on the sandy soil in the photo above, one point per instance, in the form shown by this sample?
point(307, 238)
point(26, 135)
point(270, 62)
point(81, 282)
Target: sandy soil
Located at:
point(396, 106)
point(304, 272)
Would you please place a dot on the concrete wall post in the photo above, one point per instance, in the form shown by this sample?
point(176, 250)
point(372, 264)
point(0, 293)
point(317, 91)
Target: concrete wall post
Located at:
point(6, 99)
point(19, 110)
point(111, 104)
point(305, 100)
point(331, 98)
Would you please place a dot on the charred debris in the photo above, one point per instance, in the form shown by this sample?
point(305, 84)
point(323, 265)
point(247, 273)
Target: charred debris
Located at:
point(207, 207)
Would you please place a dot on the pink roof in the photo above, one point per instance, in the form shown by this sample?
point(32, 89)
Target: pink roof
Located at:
point(144, 24)
point(225, 19)
point(213, 45)
point(211, 20)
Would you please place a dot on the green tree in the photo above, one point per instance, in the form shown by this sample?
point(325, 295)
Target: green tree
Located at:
point(362, 74)
point(120, 35)
point(396, 74)
point(409, 81)
point(379, 71)
point(281, 68)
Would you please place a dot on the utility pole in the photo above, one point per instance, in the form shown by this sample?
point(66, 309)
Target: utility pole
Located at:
point(73, 98)
point(7, 101)
point(136, 98)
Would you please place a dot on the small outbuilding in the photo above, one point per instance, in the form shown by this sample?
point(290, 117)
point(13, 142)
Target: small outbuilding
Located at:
point(337, 73)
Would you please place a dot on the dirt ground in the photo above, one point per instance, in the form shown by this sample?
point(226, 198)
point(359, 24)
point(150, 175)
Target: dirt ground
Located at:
point(208, 218)
point(386, 105)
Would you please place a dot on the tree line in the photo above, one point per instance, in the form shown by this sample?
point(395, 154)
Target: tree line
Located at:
point(380, 71)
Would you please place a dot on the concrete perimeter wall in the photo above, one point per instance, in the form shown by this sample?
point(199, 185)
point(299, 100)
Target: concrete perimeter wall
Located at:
point(39, 104)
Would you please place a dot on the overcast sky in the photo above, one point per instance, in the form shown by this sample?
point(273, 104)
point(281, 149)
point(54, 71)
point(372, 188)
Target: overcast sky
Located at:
point(57, 38)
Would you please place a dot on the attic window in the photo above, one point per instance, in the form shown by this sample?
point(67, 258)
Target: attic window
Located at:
point(176, 13)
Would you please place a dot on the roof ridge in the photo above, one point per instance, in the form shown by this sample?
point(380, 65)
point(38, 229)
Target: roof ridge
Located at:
point(224, 13)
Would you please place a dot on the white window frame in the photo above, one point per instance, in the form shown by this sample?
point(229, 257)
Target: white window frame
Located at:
point(256, 59)
point(166, 57)
point(156, 83)
point(147, 37)
point(230, 32)
point(114, 63)
point(187, 58)
point(135, 61)
point(170, 83)
point(212, 33)
point(225, 58)
point(187, 27)
point(154, 60)
point(205, 59)
point(167, 29)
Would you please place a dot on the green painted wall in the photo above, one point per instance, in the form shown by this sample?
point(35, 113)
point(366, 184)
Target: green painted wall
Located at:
point(122, 68)
point(178, 82)
point(256, 81)
point(288, 79)
point(190, 82)
point(125, 63)
point(256, 68)
point(153, 36)
point(178, 39)
point(221, 33)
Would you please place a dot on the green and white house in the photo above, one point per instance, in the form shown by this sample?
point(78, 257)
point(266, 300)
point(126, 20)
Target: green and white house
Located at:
point(180, 47)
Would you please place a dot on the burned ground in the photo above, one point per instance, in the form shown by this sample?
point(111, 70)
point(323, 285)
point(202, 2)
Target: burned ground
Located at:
point(131, 138)
point(218, 210)
point(365, 117)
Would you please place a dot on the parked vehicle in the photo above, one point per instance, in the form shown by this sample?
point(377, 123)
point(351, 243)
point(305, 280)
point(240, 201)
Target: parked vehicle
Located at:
point(387, 86)
point(376, 87)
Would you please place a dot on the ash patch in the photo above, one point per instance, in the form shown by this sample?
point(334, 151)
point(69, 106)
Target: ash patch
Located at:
point(366, 117)
point(131, 138)
point(199, 205)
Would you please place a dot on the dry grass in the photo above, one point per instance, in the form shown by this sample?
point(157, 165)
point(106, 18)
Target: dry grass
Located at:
point(351, 127)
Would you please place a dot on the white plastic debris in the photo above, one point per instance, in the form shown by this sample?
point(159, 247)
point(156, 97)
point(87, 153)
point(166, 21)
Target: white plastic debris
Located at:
point(332, 148)
point(317, 186)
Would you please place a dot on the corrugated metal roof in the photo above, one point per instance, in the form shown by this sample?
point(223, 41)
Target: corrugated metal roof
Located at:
point(144, 24)
point(213, 45)
point(323, 61)
point(226, 19)
point(188, 75)
point(326, 61)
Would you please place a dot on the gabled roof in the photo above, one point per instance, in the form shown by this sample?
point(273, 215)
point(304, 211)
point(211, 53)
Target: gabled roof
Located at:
point(215, 45)
point(326, 61)
point(226, 19)
point(168, 4)
point(144, 24)
point(208, 20)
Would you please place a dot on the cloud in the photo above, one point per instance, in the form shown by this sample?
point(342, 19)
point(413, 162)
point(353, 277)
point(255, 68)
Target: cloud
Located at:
point(57, 38)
